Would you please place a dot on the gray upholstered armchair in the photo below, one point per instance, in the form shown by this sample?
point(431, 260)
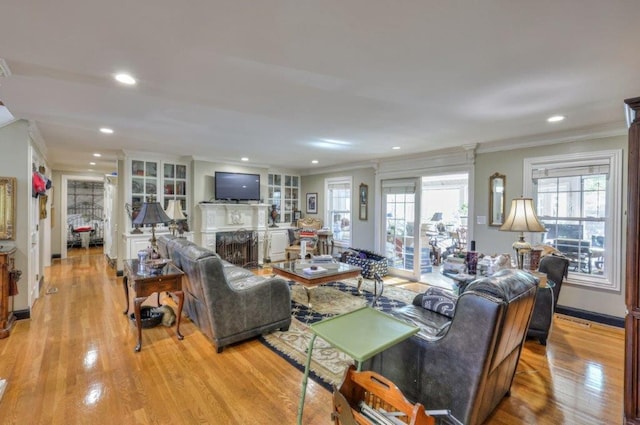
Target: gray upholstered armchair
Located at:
point(463, 360)
point(228, 303)
point(556, 268)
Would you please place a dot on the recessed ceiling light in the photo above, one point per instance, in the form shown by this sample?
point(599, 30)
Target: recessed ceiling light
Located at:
point(315, 161)
point(92, 163)
point(555, 118)
point(125, 79)
point(106, 130)
point(97, 155)
point(244, 158)
point(395, 148)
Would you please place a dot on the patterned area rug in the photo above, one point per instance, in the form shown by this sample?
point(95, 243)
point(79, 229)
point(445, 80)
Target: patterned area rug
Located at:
point(327, 363)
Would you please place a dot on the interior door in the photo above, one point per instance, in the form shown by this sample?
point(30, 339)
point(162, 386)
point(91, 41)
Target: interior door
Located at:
point(34, 252)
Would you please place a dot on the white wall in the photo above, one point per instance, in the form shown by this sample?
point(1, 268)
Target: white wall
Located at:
point(15, 161)
point(362, 231)
point(491, 240)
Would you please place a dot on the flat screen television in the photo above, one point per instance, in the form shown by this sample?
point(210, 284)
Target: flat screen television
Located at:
point(237, 186)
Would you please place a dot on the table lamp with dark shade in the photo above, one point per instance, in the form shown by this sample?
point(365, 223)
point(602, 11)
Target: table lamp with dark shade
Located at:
point(522, 218)
point(174, 212)
point(151, 213)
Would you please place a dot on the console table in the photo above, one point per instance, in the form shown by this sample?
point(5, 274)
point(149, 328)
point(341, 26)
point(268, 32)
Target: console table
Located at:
point(361, 334)
point(6, 266)
point(169, 279)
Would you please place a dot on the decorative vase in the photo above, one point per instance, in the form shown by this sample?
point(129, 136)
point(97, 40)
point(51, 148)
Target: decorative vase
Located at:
point(274, 215)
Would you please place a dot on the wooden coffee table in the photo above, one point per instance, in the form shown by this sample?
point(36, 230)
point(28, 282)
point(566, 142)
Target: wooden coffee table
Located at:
point(289, 271)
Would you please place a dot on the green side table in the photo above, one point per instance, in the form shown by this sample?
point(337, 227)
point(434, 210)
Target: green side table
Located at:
point(361, 334)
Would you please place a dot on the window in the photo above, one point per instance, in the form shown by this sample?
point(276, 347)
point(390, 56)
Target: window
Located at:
point(578, 198)
point(338, 209)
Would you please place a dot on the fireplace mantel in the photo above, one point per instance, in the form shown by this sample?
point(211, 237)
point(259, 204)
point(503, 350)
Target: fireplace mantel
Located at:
point(230, 218)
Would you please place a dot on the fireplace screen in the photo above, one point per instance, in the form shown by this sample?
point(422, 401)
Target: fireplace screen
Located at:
point(239, 248)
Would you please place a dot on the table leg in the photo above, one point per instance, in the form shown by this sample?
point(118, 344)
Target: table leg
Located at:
point(180, 296)
point(126, 293)
point(308, 292)
point(305, 378)
point(359, 284)
point(136, 312)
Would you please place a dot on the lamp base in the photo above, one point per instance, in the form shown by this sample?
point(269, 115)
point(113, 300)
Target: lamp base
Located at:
point(521, 247)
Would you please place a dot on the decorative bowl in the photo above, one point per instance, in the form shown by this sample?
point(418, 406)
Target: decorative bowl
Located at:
point(156, 266)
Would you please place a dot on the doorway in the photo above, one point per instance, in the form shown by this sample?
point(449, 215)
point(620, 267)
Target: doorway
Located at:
point(416, 247)
point(82, 215)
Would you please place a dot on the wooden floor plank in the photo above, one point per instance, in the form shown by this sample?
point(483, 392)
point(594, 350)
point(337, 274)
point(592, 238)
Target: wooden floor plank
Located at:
point(73, 362)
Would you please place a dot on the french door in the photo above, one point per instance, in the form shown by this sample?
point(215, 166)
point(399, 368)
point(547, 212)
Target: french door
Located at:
point(400, 208)
point(425, 220)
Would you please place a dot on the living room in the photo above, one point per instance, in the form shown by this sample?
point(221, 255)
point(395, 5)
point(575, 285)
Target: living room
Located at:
point(495, 125)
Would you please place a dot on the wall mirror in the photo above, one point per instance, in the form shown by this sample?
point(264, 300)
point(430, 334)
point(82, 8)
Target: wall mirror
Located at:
point(364, 201)
point(497, 184)
point(8, 186)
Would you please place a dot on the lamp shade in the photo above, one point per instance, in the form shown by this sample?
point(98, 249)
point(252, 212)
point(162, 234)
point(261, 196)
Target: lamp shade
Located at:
point(522, 217)
point(174, 210)
point(151, 213)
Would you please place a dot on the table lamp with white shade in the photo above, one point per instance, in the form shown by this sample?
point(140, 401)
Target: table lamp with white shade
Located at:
point(174, 211)
point(522, 218)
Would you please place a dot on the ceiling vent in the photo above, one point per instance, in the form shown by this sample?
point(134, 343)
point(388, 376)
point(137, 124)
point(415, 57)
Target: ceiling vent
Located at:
point(4, 69)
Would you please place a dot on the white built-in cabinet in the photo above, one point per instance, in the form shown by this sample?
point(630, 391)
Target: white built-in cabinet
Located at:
point(283, 190)
point(160, 179)
point(279, 241)
point(137, 242)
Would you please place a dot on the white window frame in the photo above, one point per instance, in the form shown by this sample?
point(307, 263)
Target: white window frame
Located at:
point(610, 280)
point(328, 220)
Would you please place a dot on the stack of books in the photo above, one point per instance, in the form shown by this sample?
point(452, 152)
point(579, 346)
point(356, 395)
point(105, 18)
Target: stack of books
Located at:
point(325, 261)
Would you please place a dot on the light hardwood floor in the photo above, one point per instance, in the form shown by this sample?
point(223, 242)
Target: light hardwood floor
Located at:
point(73, 363)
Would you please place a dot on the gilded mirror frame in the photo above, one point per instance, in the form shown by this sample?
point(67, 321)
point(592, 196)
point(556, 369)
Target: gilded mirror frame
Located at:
point(364, 201)
point(8, 186)
point(497, 187)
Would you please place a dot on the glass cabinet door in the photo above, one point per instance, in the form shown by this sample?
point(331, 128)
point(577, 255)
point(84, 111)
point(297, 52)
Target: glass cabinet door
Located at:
point(144, 183)
point(284, 191)
point(175, 184)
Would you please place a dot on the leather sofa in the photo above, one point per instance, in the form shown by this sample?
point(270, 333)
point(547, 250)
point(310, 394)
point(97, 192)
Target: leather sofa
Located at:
point(556, 268)
point(228, 303)
point(464, 363)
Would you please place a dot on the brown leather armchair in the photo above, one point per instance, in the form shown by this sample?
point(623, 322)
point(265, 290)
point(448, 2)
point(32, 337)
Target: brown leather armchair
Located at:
point(556, 268)
point(464, 363)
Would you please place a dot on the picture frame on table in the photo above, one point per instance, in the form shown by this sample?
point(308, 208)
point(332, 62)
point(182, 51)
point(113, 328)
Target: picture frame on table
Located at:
point(297, 215)
point(312, 203)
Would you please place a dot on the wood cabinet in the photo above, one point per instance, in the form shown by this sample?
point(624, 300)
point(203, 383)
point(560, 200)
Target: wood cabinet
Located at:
point(632, 275)
point(6, 314)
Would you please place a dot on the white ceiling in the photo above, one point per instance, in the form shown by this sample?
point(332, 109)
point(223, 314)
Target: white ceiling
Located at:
point(273, 80)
